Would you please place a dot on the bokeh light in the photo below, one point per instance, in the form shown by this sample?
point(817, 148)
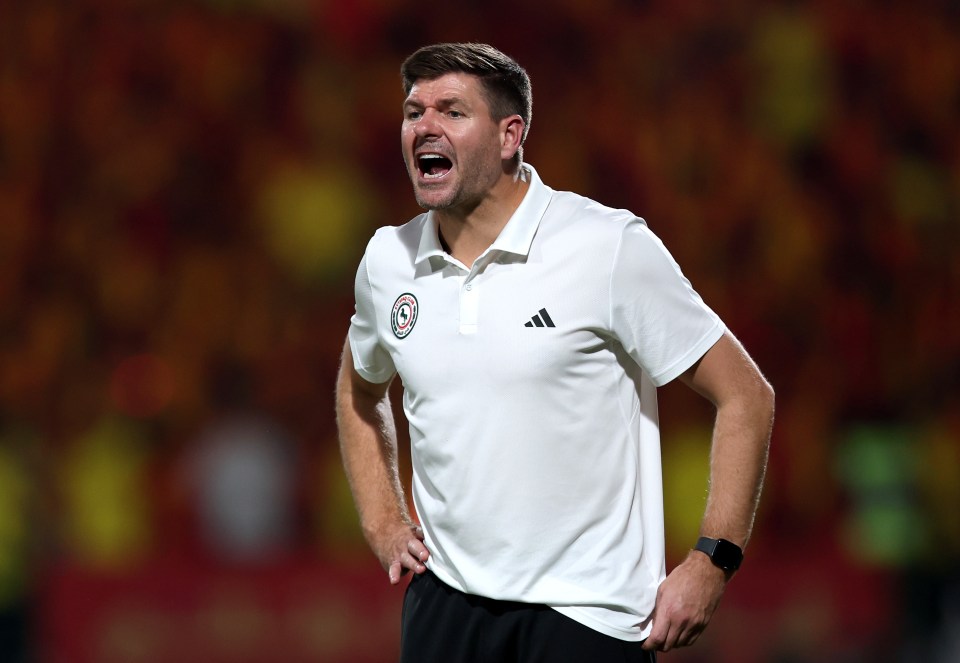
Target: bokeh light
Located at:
point(186, 190)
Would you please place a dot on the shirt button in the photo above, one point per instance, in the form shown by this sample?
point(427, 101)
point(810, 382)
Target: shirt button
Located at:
point(469, 286)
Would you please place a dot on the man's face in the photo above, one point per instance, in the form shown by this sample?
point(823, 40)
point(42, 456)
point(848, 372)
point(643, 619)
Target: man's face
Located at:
point(451, 144)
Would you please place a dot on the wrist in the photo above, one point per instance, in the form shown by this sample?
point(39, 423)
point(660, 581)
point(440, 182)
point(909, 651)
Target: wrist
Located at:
point(384, 528)
point(708, 573)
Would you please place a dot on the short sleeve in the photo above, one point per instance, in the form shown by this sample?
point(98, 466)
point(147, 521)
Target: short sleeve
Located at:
point(370, 358)
point(655, 313)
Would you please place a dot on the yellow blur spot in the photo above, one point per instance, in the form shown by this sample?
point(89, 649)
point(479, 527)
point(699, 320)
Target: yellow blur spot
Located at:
point(686, 473)
point(314, 219)
point(14, 491)
point(103, 479)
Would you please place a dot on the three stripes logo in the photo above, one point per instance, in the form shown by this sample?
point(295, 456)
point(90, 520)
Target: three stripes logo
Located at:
point(541, 319)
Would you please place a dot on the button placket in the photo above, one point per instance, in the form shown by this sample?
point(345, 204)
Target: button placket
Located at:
point(469, 304)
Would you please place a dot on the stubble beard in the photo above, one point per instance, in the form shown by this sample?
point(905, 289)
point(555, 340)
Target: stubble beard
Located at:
point(430, 203)
point(450, 198)
point(459, 196)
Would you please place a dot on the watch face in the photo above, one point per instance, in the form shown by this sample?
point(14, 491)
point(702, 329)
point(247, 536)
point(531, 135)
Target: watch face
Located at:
point(727, 555)
point(722, 553)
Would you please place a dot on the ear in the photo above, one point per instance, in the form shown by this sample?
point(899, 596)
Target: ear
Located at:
point(511, 135)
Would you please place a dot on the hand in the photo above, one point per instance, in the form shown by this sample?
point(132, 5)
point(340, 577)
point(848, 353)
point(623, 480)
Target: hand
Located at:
point(685, 602)
point(403, 551)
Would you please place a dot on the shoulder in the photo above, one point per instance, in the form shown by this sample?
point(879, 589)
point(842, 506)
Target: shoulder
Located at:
point(576, 207)
point(587, 221)
point(396, 243)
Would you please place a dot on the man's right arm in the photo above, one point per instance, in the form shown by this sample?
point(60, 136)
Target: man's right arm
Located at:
point(368, 445)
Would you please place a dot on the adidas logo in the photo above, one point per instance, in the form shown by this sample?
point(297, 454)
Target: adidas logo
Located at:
point(542, 319)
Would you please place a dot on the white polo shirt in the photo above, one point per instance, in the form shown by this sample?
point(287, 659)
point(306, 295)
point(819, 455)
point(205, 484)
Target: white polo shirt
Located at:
point(530, 387)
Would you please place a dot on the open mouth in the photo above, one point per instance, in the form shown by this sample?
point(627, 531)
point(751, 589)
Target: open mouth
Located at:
point(433, 166)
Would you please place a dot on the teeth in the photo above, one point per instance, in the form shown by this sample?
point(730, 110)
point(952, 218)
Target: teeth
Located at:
point(426, 168)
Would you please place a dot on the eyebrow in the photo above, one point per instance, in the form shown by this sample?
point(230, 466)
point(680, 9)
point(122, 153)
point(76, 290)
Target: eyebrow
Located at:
point(444, 102)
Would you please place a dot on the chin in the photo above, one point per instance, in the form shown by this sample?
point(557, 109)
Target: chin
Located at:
point(432, 200)
point(431, 204)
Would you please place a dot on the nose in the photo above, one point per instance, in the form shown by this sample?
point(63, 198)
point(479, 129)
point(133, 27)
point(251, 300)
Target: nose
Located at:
point(427, 126)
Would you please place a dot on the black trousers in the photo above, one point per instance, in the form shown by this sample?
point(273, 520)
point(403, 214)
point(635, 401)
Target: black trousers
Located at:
point(443, 625)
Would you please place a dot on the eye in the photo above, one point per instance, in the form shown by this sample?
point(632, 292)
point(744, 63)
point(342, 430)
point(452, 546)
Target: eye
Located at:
point(455, 114)
point(413, 115)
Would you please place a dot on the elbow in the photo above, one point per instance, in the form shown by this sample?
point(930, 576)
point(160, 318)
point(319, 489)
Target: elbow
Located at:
point(766, 400)
point(767, 394)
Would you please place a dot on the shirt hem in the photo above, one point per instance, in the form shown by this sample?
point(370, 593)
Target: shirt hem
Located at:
point(575, 613)
point(578, 615)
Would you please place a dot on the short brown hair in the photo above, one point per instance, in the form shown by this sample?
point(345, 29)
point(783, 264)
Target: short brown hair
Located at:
point(505, 83)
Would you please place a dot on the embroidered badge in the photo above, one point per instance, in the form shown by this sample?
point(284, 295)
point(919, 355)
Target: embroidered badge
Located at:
point(404, 315)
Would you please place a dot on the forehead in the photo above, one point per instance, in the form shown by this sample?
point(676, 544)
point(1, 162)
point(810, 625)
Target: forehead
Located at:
point(466, 87)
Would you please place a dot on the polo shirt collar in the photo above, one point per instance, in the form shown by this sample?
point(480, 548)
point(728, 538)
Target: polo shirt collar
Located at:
point(516, 237)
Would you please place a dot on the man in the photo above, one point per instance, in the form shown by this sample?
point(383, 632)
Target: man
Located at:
point(530, 328)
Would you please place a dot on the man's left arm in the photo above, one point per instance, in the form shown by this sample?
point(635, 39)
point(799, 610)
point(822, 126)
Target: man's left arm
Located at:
point(728, 377)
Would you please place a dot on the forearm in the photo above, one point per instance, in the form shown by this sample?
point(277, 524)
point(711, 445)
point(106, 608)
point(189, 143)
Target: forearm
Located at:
point(368, 446)
point(741, 438)
point(738, 461)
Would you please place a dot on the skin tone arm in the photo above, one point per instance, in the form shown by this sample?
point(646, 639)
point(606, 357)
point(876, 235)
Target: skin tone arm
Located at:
point(744, 400)
point(368, 445)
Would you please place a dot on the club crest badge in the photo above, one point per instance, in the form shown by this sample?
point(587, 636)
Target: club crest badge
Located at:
point(404, 315)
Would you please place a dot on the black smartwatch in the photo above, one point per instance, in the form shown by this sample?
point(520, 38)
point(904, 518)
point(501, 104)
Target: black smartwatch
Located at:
point(722, 553)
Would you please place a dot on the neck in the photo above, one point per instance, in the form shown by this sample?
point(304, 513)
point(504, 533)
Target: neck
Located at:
point(467, 233)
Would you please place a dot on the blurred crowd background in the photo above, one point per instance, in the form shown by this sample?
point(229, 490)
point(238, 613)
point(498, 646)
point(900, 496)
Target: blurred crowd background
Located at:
point(186, 188)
